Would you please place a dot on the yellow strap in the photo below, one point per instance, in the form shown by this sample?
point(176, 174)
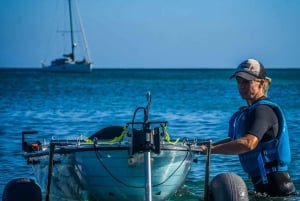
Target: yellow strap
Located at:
point(114, 140)
point(88, 140)
point(125, 128)
point(167, 136)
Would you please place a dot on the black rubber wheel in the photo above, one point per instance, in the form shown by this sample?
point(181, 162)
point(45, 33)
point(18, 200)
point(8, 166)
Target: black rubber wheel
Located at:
point(22, 189)
point(228, 187)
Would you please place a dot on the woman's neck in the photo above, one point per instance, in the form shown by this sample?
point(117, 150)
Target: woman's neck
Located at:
point(252, 101)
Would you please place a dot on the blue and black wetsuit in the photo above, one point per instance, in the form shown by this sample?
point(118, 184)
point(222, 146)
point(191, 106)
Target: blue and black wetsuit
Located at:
point(267, 164)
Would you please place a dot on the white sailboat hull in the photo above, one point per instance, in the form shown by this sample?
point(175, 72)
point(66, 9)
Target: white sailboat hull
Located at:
point(69, 67)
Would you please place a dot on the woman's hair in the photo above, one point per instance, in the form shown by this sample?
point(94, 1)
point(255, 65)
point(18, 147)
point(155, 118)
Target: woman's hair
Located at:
point(266, 86)
point(267, 83)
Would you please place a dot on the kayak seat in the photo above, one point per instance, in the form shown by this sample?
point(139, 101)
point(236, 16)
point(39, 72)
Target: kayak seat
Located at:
point(108, 133)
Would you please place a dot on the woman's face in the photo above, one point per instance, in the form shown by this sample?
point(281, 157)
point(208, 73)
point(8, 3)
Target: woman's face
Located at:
point(250, 90)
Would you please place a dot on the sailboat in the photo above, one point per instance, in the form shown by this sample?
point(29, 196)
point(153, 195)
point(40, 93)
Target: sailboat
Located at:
point(68, 62)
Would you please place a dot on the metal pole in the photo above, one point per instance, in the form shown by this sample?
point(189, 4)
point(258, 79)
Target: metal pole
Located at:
point(207, 170)
point(148, 181)
point(50, 168)
point(147, 152)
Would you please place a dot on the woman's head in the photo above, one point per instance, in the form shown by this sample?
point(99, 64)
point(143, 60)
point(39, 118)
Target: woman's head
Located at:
point(252, 80)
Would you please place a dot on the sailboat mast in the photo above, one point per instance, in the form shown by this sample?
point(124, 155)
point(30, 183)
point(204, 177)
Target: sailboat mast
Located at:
point(71, 27)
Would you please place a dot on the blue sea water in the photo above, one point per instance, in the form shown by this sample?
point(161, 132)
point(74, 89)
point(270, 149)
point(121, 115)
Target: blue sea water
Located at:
point(197, 103)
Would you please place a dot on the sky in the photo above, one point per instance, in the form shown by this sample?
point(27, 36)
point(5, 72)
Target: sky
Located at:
point(159, 33)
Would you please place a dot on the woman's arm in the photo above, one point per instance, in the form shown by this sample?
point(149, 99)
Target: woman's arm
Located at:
point(238, 146)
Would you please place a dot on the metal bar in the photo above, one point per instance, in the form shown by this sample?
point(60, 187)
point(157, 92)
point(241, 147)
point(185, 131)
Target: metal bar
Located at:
point(147, 152)
point(207, 171)
point(50, 168)
point(149, 122)
point(148, 181)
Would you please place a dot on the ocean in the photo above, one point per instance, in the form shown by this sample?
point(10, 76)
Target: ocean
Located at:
point(197, 103)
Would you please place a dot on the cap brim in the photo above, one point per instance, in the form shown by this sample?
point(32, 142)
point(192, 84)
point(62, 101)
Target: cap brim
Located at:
point(244, 75)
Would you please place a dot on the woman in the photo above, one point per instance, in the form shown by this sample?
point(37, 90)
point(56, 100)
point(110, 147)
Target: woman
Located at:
point(258, 133)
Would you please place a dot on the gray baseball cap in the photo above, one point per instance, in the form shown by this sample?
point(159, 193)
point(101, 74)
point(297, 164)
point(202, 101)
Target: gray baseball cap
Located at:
point(250, 69)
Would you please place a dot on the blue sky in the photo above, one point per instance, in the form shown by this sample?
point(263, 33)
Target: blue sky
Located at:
point(159, 33)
